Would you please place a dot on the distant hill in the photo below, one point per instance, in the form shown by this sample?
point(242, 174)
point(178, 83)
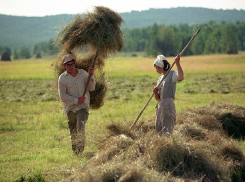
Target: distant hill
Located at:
point(176, 16)
point(17, 31)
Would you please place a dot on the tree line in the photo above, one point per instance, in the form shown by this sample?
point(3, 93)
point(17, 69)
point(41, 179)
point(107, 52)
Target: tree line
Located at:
point(168, 40)
point(47, 48)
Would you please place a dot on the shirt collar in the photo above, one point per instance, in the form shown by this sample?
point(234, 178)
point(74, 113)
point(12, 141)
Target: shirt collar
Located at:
point(66, 73)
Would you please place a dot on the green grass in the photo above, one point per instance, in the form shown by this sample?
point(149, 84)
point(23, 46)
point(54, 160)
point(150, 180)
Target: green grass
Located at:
point(34, 134)
point(27, 70)
point(33, 138)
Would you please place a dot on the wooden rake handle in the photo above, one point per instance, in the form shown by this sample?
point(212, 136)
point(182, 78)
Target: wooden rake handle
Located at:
point(163, 79)
point(90, 75)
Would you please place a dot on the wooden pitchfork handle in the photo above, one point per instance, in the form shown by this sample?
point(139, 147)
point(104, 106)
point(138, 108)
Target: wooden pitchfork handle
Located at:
point(90, 75)
point(163, 79)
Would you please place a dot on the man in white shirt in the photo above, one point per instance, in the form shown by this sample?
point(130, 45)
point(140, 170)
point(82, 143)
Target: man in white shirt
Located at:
point(71, 86)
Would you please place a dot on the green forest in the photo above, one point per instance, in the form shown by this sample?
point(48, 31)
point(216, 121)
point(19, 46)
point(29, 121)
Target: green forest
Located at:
point(213, 38)
point(151, 31)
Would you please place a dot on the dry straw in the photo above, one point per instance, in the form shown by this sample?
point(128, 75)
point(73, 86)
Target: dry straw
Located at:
point(97, 97)
point(99, 30)
point(97, 35)
point(198, 150)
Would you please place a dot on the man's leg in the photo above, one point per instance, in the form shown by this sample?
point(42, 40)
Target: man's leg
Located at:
point(82, 117)
point(72, 123)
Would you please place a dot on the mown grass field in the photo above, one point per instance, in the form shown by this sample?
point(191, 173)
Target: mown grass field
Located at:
point(33, 132)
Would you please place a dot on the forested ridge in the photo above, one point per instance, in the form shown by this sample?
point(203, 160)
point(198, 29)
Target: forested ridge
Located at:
point(152, 31)
point(213, 38)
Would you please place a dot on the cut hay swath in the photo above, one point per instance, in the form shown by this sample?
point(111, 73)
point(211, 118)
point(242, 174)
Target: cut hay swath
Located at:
point(198, 150)
point(100, 35)
point(163, 79)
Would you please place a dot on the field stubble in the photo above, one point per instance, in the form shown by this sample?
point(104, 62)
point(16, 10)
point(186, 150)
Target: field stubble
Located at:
point(33, 132)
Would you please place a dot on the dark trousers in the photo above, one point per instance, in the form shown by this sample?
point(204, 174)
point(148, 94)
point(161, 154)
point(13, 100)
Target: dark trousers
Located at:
point(76, 123)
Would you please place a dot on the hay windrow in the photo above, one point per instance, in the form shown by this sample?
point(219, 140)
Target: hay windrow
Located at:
point(224, 118)
point(116, 129)
point(198, 150)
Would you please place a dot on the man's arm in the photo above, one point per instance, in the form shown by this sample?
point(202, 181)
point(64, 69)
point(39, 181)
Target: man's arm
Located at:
point(64, 96)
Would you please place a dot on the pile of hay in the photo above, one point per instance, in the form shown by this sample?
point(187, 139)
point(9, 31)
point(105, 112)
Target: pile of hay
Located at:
point(92, 36)
point(5, 56)
point(38, 56)
point(200, 149)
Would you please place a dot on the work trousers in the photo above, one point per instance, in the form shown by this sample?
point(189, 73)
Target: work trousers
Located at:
point(76, 123)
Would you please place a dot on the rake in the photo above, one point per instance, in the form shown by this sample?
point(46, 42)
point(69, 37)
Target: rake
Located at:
point(163, 79)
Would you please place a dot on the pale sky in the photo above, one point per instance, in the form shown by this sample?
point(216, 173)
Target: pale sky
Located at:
point(55, 7)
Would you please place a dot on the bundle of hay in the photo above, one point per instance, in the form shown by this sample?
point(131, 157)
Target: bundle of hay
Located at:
point(97, 97)
point(97, 35)
point(99, 31)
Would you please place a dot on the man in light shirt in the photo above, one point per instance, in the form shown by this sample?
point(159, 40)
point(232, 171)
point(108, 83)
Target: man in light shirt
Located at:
point(71, 87)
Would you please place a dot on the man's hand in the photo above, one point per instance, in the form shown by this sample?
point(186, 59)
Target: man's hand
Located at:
point(81, 100)
point(91, 70)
